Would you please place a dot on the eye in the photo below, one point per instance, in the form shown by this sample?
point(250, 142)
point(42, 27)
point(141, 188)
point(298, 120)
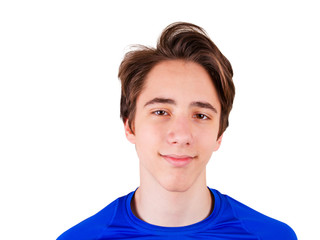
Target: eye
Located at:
point(160, 113)
point(201, 116)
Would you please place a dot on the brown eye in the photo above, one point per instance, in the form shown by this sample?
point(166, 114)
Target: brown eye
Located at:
point(201, 116)
point(160, 113)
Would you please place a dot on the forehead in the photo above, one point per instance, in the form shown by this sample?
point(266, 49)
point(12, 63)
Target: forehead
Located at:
point(179, 79)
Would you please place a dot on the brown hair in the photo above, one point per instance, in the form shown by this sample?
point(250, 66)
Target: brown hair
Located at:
point(179, 40)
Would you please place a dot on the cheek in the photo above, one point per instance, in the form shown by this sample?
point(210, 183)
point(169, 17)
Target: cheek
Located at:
point(148, 134)
point(207, 141)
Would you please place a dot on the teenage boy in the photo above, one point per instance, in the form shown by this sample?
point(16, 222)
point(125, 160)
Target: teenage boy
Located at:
point(175, 103)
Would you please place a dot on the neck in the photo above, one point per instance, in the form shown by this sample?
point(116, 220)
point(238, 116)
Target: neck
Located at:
point(156, 205)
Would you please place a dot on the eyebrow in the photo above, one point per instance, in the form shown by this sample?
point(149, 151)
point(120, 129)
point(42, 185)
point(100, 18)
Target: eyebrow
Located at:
point(161, 100)
point(173, 102)
point(204, 105)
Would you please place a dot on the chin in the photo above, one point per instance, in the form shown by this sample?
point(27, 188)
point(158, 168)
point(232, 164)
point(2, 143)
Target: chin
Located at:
point(176, 186)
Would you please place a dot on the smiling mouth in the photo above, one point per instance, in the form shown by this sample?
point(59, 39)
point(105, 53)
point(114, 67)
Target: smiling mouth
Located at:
point(178, 160)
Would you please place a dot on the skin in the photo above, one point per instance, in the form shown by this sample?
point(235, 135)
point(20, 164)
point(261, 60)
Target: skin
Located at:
point(175, 133)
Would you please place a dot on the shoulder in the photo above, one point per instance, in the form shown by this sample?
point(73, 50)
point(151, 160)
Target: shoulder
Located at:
point(257, 223)
point(93, 226)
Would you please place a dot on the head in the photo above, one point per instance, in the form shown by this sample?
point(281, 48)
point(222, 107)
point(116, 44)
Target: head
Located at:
point(179, 41)
point(175, 104)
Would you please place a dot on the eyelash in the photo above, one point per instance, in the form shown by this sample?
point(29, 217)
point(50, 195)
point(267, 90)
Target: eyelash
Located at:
point(200, 116)
point(204, 117)
point(158, 114)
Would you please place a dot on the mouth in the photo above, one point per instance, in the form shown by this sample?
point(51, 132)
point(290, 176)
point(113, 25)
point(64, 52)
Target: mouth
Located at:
point(178, 160)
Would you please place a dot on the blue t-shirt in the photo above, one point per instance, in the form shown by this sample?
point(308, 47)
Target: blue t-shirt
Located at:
point(229, 219)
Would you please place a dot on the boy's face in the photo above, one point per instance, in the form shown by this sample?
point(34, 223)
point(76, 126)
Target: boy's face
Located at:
point(176, 125)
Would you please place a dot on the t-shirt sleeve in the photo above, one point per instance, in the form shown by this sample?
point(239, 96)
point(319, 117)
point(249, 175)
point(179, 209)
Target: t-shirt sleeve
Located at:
point(92, 227)
point(265, 227)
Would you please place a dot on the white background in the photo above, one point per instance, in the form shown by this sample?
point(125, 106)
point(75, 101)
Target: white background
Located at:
point(63, 151)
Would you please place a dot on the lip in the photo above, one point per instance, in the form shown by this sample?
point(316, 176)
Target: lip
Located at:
point(178, 160)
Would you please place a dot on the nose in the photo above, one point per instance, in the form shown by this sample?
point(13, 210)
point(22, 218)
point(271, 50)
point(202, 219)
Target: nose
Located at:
point(180, 132)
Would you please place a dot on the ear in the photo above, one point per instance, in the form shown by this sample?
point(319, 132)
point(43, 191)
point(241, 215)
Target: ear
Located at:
point(218, 143)
point(129, 134)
